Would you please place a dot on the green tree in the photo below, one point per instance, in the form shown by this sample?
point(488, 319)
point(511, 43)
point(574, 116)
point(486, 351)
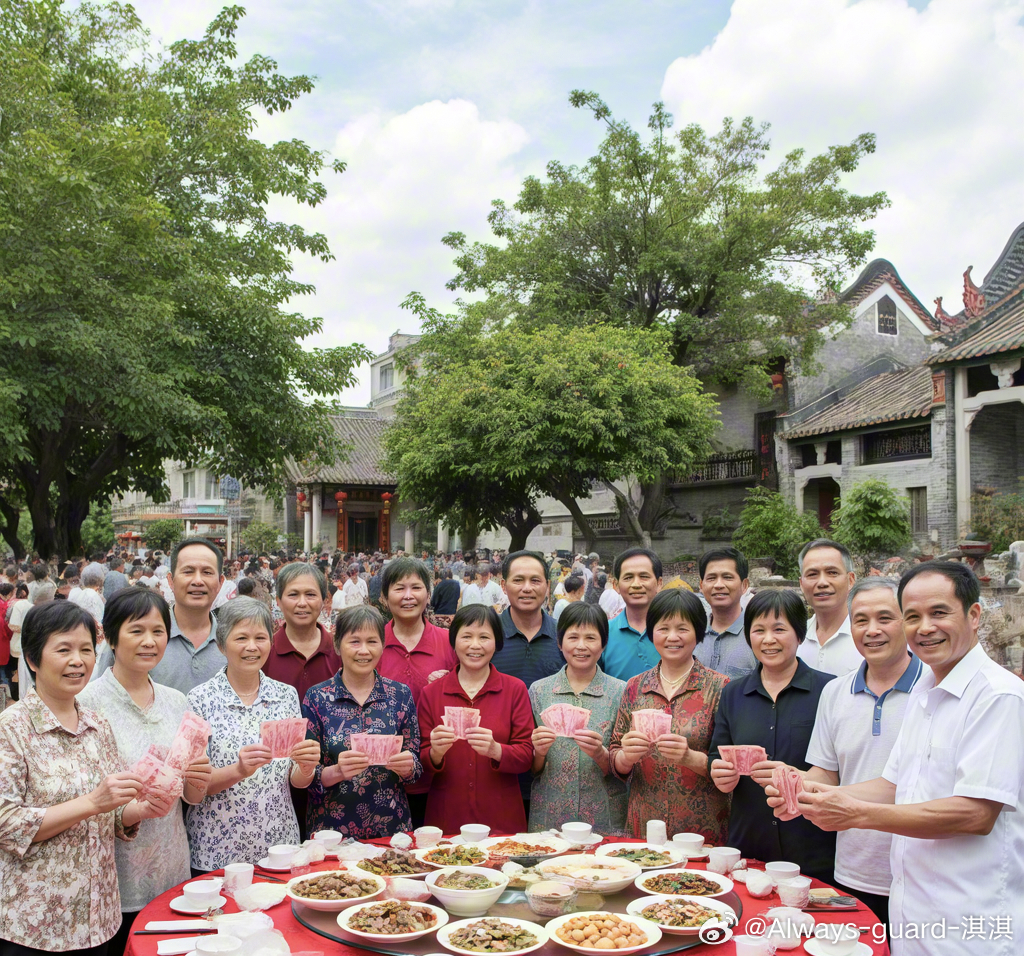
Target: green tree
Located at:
point(872, 517)
point(143, 287)
point(770, 527)
point(98, 529)
point(998, 517)
point(260, 536)
point(164, 534)
point(493, 419)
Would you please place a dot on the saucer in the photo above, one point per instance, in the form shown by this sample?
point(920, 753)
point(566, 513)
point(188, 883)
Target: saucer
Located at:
point(861, 949)
point(182, 905)
point(264, 864)
point(591, 840)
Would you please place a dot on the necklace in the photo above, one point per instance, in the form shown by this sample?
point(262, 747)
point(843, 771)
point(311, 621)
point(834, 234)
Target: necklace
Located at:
point(673, 684)
point(250, 697)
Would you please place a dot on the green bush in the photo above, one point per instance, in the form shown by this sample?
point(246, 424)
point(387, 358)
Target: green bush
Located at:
point(260, 536)
point(718, 524)
point(771, 527)
point(164, 534)
point(998, 518)
point(872, 518)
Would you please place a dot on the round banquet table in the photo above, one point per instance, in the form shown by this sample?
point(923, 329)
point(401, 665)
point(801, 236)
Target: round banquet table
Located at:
point(303, 940)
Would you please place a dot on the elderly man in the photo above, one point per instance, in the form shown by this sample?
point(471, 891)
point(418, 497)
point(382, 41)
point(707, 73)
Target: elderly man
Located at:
point(355, 590)
point(952, 791)
point(115, 578)
point(826, 576)
point(486, 592)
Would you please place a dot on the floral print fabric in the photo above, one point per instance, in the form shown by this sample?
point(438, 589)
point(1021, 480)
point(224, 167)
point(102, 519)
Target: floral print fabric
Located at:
point(59, 894)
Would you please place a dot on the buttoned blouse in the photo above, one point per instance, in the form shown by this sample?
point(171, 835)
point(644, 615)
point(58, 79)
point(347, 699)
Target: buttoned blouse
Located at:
point(59, 894)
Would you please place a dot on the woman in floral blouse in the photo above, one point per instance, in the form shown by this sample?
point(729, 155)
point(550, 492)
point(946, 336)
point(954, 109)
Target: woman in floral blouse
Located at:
point(668, 777)
point(348, 794)
point(572, 775)
point(248, 807)
point(63, 797)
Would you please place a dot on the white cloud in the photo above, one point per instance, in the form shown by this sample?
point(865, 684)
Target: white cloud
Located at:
point(940, 87)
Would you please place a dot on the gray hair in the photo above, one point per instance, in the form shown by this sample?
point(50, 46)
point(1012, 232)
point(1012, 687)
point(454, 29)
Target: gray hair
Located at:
point(352, 619)
point(91, 577)
point(241, 610)
point(826, 543)
point(299, 569)
point(874, 583)
point(44, 593)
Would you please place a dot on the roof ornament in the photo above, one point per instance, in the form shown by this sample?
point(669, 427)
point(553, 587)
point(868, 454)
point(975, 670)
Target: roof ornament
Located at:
point(941, 315)
point(974, 298)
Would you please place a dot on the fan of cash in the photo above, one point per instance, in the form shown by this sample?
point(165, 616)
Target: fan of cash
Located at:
point(652, 723)
point(283, 736)
point(378, 748)
point(461, 719)
point(564, 719)
point(162, 769)
point(743, 756)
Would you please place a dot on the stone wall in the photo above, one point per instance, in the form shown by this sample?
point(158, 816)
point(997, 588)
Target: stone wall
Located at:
point(997, 447)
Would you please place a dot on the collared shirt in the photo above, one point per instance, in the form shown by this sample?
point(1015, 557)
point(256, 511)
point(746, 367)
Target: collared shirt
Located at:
point(184, 665)
point(727, 651)
point(158, 858)
point(748, 715)
point(961, 738)
point(355, 592)
point(629, 652)
point(61, 893)
point(489, 594)
point(572, 786)
point(413, 668)
point(837, 656)
point(611, 603)
point(854, 733)
point(529, 660)
point(445, 598)
point(287, 665)
point(659, 789)
point(372, 804)
point(240, 824)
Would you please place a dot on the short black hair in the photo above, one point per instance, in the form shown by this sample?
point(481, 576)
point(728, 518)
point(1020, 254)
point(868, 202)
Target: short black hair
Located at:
point(573, 583)
point(777, 602)
point(477, 614)
point(819, 543)
point(198, 539)
point(579, 614)
point(6, 588)
point(45, 620)
point(506, 564)
point(725, 554)
point(677, 602)
point(351, 619)
point(246, 587)
point(130, 604)
point(403, 568)
point(637, 553)
point(966, 585)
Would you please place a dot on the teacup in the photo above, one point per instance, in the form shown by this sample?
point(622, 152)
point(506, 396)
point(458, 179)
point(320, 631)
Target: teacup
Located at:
point(795, 892)
point(329, 838)
point(474, 832)
point(692, 844)
point(722, 859)
point(281, 855)
point(217, 945)
point(202, 892)
point(577, 832)
point(836, 939)
point(781, 871)
point(428, 836)
point(237, 876)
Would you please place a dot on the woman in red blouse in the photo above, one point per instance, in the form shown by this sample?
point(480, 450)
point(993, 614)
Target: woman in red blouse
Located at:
point(475, 780)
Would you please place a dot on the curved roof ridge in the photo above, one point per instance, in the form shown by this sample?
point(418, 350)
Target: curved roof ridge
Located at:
point(870, 278)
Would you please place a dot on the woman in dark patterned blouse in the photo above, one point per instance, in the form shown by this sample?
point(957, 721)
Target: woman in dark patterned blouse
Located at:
point(668, 776)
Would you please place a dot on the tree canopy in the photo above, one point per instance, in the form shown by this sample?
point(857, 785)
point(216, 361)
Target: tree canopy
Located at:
point(145, 294)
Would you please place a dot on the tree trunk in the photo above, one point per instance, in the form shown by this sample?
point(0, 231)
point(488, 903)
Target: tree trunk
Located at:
point(467, 535)
point(653, 505)
point(12, 518)
point(582, 521)
point(631, 515)
point(519, 522)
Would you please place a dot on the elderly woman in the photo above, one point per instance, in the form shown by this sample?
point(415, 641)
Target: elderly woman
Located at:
point(572, 775)
point(248, 807)
point(668, 774)
point(416, 652)
point(349, 794)
point(475, 778)
point(63, 797)
point(772, 707)
point(141, 713)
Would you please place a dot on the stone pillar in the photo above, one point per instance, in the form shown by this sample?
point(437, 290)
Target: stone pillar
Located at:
point(962, 444)
point(442, 537)
point(410, 539)
point(318, 512)
point(307, 530)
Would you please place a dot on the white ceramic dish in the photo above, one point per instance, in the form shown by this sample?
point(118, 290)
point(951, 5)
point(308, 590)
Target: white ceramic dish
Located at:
point(675, 855)
point(333, 906)
point(591, 840)
point(182, 905)
point(540, 932)
point(557, 844)
point(423, 855)
point(467, 902)
point(652, 931)
point(345, 917)
point(264, 864)
point(723, 881)
point(813, 946)
point(636, 908)
point(581, 868)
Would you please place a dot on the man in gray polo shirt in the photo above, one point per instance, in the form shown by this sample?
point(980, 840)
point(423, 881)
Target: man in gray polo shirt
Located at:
point(859, 718)
point(723, 582)
point(192, 656)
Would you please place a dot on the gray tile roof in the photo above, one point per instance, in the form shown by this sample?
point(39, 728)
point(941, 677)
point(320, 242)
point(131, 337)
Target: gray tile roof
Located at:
point(998, 329)
point(1008, 270)
point(361, 430)
point(872, 276)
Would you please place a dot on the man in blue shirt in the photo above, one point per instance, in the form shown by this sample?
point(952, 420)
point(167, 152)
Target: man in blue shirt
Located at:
point(630, 650)
point(723, 582)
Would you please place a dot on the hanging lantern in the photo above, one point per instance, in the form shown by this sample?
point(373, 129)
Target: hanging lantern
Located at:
point(300, 497)
point(386, 498)
point(340, 497)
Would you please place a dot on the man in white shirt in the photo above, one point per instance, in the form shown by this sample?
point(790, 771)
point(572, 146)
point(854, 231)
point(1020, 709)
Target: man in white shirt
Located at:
point(826, 576)
point(355, 591)
point(611, 601)
point(487, 591)
point(952, 792)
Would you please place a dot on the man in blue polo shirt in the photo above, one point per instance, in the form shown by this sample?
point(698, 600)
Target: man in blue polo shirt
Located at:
point(630, 650)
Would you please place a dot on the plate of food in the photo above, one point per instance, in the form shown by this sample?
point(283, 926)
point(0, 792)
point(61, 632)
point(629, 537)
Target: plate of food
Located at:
point(394, 862)
point(334, 890)
point(586, 871)
point(492, 934)
point(681, 915)
point(533, 846)
point(465, 854)
point(395, 921)
point(596, 931)
point(647, 856)
point(467, 891)
point(684, 883)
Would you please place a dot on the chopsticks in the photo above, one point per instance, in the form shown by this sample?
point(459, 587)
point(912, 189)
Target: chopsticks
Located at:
point(171, 932)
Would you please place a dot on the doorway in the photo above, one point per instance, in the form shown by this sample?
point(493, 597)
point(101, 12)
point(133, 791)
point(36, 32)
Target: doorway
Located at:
point(362, 533)
point(821, 497)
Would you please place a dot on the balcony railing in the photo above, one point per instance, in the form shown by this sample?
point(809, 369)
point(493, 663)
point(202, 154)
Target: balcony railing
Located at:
point(179, 508)
point(726, 466)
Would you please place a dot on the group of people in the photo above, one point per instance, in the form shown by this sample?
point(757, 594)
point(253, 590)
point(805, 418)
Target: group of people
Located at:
point(904, 732)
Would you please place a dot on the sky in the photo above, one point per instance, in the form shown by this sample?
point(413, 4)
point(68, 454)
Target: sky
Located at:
point(441, 106)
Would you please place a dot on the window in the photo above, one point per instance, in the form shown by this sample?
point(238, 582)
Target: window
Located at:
point(886, 316)
point(918, 510)
point(387, 377)
point(897, 444)
point(211, 487)
point(188, 484)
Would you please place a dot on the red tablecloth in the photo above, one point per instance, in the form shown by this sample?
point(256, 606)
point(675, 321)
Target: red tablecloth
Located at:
point(301, 939)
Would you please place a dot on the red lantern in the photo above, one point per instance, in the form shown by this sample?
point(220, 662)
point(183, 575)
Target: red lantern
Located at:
point(386, 498)
point(300, 497)
point(340, 496)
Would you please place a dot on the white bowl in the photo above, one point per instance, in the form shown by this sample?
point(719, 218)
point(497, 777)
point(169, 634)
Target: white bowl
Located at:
point(352, 911)
point(422, 855)
point(723, 881)
point(468, 902)
point(540, 932)
point(597, 880)
point(675, 854)
point(652, 930)
point(636, 908)
point(334, 906)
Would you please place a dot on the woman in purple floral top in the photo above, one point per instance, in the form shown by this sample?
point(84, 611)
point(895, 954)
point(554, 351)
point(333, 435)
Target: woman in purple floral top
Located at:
point(348, 794)
point(668, 777)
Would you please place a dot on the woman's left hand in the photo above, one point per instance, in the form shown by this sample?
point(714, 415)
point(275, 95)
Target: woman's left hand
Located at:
point(156, 803)
point(483, 742)
point(673, 747)
point(306, 755)
point(590, 741)
point(198, 774)
point(403, 763)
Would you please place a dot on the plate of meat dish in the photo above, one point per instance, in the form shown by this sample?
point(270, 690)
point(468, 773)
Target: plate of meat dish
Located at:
point(684, 883)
